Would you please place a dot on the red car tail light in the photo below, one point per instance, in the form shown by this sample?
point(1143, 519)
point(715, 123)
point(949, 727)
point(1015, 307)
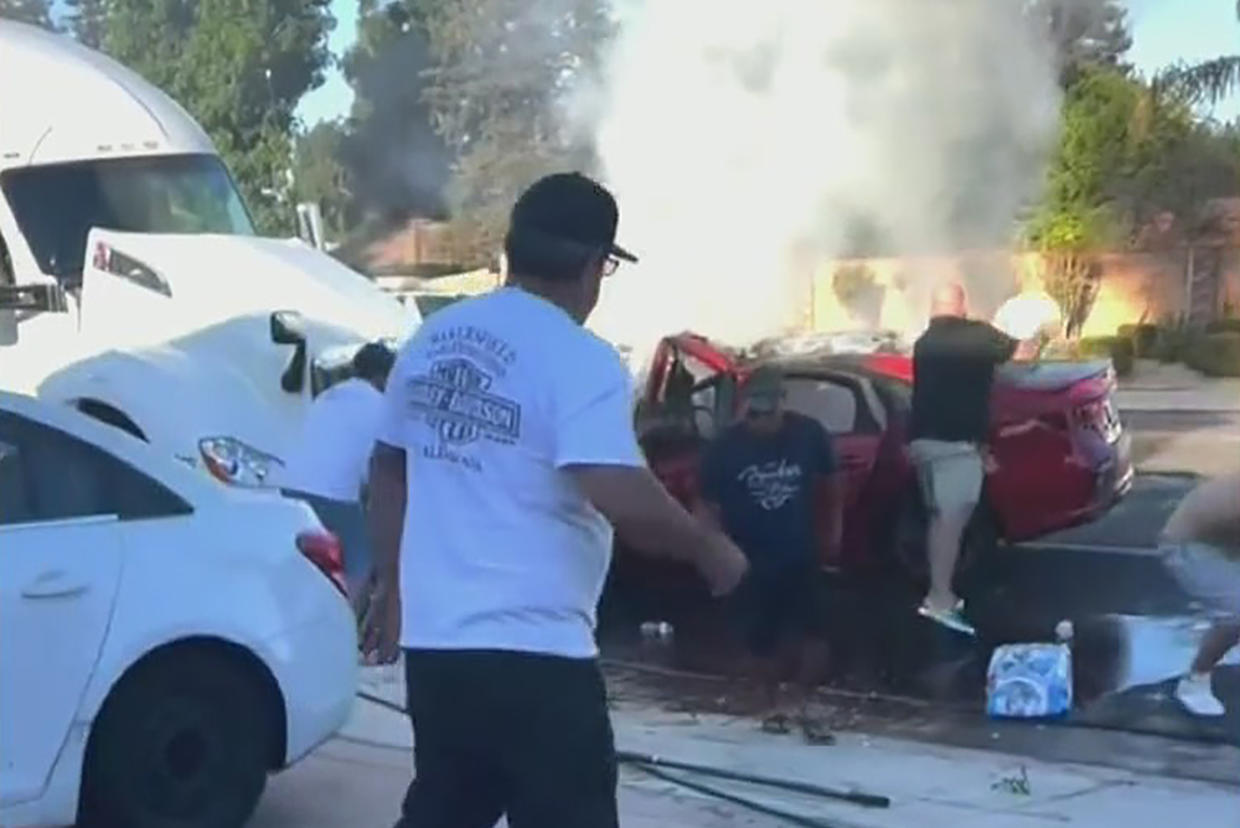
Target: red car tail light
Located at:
point(322, 548)
point(1099, 417)
point(1092, 415)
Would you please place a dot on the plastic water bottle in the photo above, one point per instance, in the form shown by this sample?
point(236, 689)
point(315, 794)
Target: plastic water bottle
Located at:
point(1031, 680)
point(1064, 631)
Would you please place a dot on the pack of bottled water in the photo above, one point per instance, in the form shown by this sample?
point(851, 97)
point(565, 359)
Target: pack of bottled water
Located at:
point(1030, 681)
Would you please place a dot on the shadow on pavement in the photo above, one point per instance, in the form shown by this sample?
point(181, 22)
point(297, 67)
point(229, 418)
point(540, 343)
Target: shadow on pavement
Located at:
point(894, 672)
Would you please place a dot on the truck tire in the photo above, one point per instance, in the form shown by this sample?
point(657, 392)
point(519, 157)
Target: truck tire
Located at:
point(181, 741)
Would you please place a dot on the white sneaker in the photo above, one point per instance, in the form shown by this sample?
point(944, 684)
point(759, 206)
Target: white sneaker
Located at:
point(1194, 692)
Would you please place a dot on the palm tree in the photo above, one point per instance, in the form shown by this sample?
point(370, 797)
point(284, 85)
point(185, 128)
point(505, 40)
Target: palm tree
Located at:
point(1207, 82)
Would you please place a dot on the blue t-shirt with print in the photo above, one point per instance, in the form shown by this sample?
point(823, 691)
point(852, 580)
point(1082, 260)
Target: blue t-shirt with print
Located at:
point(764, 487)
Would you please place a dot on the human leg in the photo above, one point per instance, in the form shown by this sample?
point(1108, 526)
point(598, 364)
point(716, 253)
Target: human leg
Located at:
point(558, 752)
point(1213, 579)
point(457, 781)
point(761, 610)
point(1195, 690)
point(951, 476)
point(1221, 637)
point(807, 630)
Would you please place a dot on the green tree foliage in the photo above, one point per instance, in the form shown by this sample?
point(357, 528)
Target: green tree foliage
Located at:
point(499, 71)
point(37, 12)
point(396, 162)
point(1112, 170)
point(240, 67)
point(1085, 33)
point(320, 178)
point(86, 20)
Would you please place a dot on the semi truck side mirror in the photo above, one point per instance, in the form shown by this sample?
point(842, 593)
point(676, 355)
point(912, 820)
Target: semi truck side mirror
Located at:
point(286, 328)
point(16, 299)
point(34, 298)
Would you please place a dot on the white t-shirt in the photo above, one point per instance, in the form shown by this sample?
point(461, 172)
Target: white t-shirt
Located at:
point(331, 454)
point(492, 399)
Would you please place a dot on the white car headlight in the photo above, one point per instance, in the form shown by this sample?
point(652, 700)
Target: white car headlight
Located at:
point(237, 464)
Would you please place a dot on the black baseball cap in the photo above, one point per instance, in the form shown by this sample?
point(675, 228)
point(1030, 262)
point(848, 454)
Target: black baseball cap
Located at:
point(764, 389)
point(569, 209)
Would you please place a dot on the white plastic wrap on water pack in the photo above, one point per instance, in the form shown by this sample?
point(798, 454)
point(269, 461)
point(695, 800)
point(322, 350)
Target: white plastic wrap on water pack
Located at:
point(1028, 681)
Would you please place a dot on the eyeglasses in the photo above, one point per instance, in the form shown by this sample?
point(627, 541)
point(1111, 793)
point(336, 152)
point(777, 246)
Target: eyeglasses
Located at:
point(609, 265)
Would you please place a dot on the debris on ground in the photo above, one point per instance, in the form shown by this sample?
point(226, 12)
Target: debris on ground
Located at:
point(816, 732)
point(1017, 784)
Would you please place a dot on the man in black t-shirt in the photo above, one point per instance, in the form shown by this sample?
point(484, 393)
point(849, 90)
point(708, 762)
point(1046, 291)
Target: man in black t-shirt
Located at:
point(763, 481)
point(954, 365)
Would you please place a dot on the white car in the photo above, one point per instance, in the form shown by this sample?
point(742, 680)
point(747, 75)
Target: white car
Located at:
point(165, 640)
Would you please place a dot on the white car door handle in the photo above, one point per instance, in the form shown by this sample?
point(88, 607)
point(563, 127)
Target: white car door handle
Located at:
point(55, 585)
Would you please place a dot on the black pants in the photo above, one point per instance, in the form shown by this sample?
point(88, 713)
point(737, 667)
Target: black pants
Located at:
point(780, 603)
point(500, 732)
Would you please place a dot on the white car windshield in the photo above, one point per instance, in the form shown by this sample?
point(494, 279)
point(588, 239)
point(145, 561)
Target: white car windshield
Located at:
point(57, 205)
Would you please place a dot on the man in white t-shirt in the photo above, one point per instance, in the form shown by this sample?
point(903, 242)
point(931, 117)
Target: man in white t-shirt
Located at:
point(506, 456)
point(328, 464)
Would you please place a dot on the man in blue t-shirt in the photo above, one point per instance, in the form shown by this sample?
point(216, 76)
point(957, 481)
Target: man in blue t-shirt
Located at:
point(762, 481)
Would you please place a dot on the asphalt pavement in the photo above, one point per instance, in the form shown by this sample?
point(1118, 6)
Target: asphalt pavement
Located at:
point(1105, 576)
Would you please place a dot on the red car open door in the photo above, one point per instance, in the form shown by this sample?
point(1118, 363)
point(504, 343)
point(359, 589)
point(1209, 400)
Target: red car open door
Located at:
point(840, 403)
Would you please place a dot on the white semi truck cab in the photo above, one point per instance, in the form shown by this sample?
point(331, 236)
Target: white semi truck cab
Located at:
point(132, 284)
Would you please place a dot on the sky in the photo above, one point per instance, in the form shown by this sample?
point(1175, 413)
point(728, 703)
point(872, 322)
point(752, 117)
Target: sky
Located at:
point(1164, 31)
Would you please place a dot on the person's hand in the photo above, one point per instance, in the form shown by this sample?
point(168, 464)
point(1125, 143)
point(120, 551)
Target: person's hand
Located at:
point(989, 464)
point(722, 564)
point(380, 638)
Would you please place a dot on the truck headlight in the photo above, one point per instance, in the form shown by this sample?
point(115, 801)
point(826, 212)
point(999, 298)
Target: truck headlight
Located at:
point(235, 463)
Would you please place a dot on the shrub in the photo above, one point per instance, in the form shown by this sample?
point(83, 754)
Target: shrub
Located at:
point(1223, 326)
point(1215, 354)
point(1172, 343)
point(1144, 338)
point(1119, 349)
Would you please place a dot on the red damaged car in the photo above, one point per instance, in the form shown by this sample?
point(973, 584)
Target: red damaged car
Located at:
point(1062, 457)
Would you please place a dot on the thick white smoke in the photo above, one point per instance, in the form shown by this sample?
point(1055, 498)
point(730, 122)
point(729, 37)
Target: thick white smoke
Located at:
point(744, 141)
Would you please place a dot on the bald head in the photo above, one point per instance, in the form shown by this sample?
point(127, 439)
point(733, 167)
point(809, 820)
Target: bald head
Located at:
point(949, 299)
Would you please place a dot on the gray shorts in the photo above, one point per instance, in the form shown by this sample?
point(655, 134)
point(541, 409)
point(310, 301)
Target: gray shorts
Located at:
point(950, 475)
point(1209, 576)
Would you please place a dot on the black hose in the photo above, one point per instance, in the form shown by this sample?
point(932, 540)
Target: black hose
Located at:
point(382, 702)
point(861, 798)
point(655, 765)
point(758, 807)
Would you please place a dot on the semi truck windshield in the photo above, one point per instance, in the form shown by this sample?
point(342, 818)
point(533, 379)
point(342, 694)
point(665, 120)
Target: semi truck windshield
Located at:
point(57, 205)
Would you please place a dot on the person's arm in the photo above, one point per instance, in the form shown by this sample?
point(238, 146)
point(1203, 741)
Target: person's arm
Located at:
point(651, 522)
point(1001, 347)
point(386, 502)
point(385, 510)
point(595, 445)
point(829, 481)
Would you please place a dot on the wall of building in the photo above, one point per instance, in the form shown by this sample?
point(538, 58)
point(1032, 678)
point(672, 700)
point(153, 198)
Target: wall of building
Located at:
point(1134, 287)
